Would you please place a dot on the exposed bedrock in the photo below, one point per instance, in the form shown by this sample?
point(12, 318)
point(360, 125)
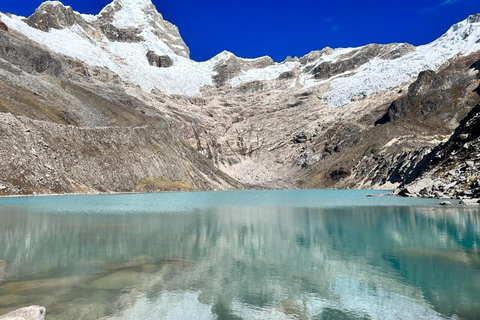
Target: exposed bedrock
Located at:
point(121, 34)
point(28, 58)
point(159, 61)
point(229, 69)
point(53, 15)
point(452, 169)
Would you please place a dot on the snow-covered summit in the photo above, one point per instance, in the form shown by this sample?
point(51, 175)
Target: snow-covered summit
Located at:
point(131, 13)
point(121, 35)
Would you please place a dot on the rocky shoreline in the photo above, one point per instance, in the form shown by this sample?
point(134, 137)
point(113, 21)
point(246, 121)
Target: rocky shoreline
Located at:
point(27, 313)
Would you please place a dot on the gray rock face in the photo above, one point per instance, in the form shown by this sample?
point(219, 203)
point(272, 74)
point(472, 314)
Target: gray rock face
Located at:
point(28, 58)
point(51, 15)
point(454, 167)
point(159, 61)
point(29, 313)
point(229, 69)
point(287, 75)
point(121, 35)
point(430, 94)
point(426, 81)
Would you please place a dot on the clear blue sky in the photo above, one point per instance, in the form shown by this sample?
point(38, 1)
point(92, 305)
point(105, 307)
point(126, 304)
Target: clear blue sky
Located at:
point(252, 28)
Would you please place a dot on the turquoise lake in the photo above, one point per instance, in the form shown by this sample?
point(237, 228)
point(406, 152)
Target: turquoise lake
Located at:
point(240, 255)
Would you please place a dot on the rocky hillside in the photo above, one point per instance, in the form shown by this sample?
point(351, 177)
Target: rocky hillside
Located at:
point(452, 169)
point(112, 102)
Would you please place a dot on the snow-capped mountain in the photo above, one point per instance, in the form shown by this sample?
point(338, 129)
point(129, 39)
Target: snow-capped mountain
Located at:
point(119, 91)
point(122, 34)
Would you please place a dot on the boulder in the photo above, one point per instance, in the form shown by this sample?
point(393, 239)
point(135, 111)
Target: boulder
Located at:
point(159, 61)
point(416, 188)
point(446, 203)
point(28, 313)
point(470, 202)
point(3, 26)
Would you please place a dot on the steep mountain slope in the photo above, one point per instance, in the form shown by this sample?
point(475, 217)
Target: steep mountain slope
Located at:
point(347, 117)
point(452, 169)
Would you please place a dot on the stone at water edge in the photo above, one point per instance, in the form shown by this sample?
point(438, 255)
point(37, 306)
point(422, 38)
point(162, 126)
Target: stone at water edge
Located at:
point(28, 313)
point(470, 202)
point(446, 203)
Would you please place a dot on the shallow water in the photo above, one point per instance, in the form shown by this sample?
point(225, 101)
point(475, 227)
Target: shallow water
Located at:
point(240, 255)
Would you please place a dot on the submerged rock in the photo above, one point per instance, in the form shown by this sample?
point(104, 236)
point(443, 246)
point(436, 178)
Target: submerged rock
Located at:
point(117, 281)
point(3, 264)
point(43, 285)
point(11, 300)
point(29, 313)
point(135, 262)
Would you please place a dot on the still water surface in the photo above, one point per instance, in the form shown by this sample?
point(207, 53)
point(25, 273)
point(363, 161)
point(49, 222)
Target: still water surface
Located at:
point(240, 255)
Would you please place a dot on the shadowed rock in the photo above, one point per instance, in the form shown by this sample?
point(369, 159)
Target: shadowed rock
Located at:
point(159, 61)
point(3, 26)
point(27, 57)
point(286, 75)
point(121, 34)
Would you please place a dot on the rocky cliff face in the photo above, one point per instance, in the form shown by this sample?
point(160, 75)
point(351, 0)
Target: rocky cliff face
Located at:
point(452, 169)
point(121, 107)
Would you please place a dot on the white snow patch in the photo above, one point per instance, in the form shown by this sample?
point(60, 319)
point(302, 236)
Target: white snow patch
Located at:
point(267, 73)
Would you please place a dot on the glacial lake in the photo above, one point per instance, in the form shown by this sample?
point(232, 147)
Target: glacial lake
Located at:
point(240, 255)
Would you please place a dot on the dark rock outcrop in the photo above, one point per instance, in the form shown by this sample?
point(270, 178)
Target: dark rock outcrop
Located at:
point(27, 57)
point(159, 61)
point(453, 168)
point(433, 95)
point(286, 75)
point(121, 35)
point(3, 27)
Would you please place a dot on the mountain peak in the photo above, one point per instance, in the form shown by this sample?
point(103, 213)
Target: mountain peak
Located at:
point(52, 14)
point(131, 13)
